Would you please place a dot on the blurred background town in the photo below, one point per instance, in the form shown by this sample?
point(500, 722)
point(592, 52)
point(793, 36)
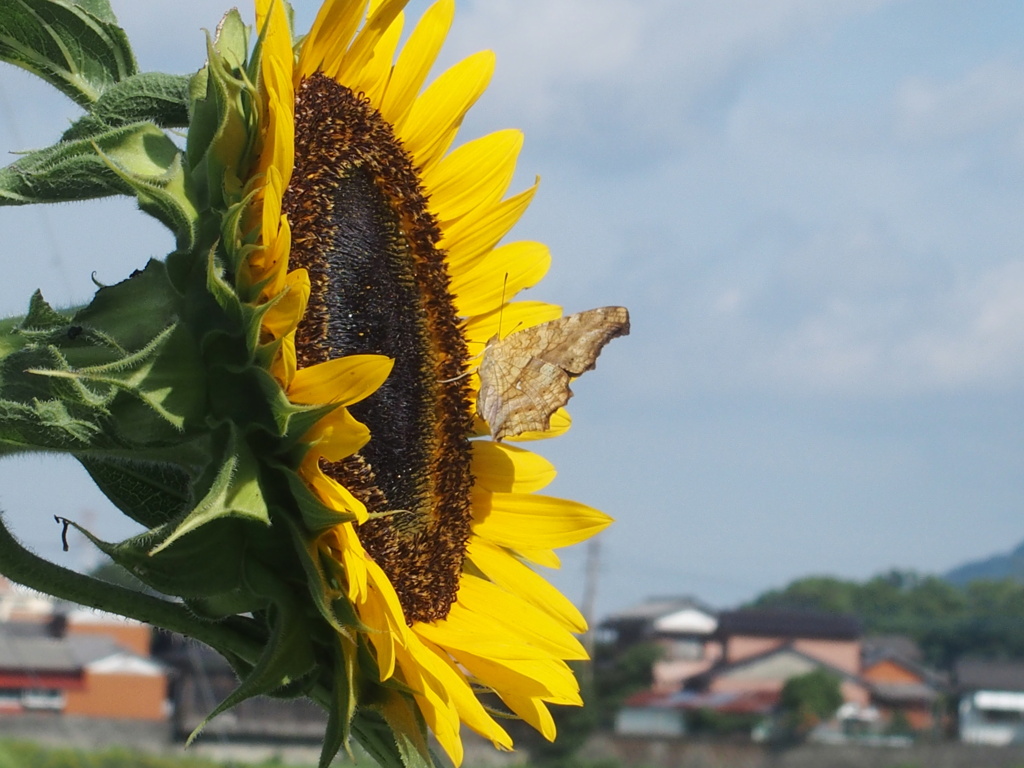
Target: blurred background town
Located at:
point(901, 669)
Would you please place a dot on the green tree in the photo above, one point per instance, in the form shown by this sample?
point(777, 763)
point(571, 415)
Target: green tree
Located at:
point(984, 619)
point(620, 674)
point(808, 699)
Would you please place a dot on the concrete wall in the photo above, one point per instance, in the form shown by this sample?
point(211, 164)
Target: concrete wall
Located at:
point(686, 753)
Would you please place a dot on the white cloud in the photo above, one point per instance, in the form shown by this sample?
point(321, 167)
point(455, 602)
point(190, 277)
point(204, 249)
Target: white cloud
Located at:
point(985, 344)
point(989, 96)
point(569, 64)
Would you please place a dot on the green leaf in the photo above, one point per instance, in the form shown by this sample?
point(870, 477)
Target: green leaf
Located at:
point(114, 310)
point(193, 567)
point(41, 316)
point(75, 45)
point(154, 374)
point(147, 97)
point(150, 493)
point(234, 492)
point(78, 170)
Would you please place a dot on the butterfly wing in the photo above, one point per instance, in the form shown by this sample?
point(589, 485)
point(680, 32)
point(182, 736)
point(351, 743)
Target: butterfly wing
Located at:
point(524, 378)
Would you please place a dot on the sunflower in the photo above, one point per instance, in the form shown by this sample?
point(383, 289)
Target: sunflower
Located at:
point(380, 277)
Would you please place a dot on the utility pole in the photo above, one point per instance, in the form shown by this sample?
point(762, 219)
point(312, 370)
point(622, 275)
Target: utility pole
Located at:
point(593, 570)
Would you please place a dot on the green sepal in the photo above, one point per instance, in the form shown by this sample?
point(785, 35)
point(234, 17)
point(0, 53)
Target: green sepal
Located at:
point(337, 612)
point(153, 97)
point(223, 120)
point(390, 748)
point(192, 567)
point(409, 730)
point(288, 654)
point(237, 315)
point(317, 517)
point(150, 493)
point(235, 492)
point(342, 706)
point(75, 45)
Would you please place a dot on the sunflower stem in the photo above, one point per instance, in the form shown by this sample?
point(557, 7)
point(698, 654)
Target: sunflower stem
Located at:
point(34, 572)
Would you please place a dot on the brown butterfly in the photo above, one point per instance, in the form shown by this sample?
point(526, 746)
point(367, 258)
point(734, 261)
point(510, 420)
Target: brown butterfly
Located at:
point(524, 378)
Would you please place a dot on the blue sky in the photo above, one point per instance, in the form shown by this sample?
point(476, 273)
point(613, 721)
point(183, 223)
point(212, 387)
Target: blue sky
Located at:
point(812, 209)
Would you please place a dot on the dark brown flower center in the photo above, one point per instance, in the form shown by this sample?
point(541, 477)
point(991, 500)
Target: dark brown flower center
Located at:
point(361, 227)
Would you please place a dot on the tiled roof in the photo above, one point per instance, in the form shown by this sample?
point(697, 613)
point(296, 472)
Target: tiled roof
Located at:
point(704, 679)
point(86, 649)
point(35, 654)
point(972, 674)
point(789, 623)
point(655, 608)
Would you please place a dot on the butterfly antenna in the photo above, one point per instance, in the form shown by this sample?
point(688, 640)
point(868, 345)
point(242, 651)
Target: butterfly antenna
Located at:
point(501, 307)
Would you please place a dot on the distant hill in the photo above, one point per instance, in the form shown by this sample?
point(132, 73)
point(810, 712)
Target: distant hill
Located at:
point(1008, 566)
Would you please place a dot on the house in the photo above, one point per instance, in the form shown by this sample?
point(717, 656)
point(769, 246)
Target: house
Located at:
point(833, 639)
point(682, 627)
point(766, 673)
point(71, 660)
point(991, 701)
point(902, 688)
point(117, 684)
point(87, 676)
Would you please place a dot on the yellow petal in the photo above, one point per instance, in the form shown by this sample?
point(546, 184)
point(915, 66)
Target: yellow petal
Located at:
point(480, 329)
point(498, 276)
point(383, 615)
point(284, 365)
point(560, 423)
point(475, 175)
point(337, 435)
point(533, 712)
point(276, 73)
point(488, 621)
point(416, 59)
point(430, 125)
point(354, 560)
point(344, 380)
point(362, 49)
point(469, 239)
point(469, 708)
point(498, 565)
point(546, 558)
point(530, 520)
point(372, 77)
point(332, 493)
point(290, 307)
point(329, 36)
point(550, 680)
point(500, 467)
